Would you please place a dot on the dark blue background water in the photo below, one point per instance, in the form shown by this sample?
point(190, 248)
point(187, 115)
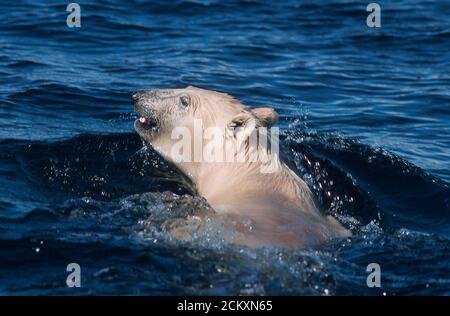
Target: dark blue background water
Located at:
point(370, 108)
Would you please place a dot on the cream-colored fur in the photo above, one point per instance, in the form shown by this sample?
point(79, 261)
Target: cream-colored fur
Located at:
point(268, 209)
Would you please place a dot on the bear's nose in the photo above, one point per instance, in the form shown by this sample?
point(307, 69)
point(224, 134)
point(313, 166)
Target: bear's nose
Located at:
point(137, 94)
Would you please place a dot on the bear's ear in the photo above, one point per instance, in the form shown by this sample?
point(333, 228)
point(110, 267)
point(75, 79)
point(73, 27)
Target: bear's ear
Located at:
point(244, 121)
point(267, 116)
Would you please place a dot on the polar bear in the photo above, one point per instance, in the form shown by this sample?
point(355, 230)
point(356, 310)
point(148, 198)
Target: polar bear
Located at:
point(267, 201)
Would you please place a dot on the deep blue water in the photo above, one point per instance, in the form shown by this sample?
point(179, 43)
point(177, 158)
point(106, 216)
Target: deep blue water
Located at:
point(369, 108)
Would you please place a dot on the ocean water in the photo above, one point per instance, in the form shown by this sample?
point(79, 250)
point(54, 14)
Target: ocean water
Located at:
point(364, 114)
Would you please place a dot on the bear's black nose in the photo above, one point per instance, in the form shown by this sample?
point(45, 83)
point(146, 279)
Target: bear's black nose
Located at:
point(137, 94)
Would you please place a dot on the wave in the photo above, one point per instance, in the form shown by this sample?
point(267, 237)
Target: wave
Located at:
point(349, 178)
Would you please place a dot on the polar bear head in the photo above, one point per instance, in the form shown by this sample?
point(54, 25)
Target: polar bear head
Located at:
point(163, 112)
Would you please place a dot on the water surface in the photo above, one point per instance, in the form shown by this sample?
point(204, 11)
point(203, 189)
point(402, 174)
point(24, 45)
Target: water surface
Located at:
point(365, 118)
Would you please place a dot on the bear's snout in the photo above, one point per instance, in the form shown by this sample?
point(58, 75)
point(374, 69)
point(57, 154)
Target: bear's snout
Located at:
point(138, 95)
point(145, 101)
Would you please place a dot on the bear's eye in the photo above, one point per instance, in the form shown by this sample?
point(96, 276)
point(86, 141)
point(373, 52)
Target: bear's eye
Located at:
point(185, 101)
